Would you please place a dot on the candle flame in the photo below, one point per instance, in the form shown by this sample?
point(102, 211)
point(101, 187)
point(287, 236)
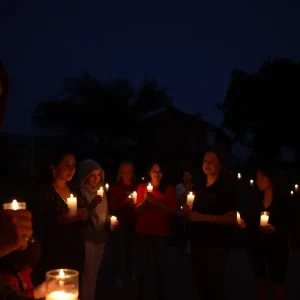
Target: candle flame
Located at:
point(61, 273)
point(292, 192)
point(130, 196)
point(191, 194)
point(15, 204)
point(71, 196)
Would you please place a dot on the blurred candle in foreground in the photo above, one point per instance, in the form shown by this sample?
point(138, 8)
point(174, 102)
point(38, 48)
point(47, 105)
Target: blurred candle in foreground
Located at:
point(113, 221)
point(238, 218)
point(292, 193)
point(239, 175)
point(190, 200)
point(149, 188)
point(100, 192)
point(72, 205)
point(14, 205)
point(62, 284)
point(134, 196)
point(296, 187)
point(264, 218)
point(107, 187)
point(251, 182)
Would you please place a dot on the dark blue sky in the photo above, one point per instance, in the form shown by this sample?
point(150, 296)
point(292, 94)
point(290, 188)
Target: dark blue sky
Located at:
point(191, 46)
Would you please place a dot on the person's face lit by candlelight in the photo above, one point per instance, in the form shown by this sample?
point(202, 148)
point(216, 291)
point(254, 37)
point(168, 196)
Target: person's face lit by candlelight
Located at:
point(93, 179)
point(126, 173)
point(65, 169)
point(211, 165)
point(263, 182)
point(155, 174)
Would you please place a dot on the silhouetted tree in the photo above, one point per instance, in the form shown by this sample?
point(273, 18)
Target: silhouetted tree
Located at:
point(109, 110)
point(261, 108)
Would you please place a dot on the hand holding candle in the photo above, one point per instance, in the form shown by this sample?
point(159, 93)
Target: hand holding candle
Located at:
point(100, 192)
point(72, 205)
point(134, 196)
point(149, 188)
point(113, 223)
point(190, 200)
point(264, 218)
point(62, 284)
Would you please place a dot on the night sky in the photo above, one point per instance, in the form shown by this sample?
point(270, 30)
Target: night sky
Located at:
point(191, 46)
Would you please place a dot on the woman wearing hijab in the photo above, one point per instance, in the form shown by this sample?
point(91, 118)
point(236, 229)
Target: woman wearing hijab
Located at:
point(90, 177)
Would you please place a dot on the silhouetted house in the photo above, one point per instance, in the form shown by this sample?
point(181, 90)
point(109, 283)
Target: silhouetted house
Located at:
point(178, 136)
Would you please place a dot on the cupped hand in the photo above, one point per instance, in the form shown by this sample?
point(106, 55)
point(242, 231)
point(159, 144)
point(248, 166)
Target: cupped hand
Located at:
point(241, 224)
point(95, 202)
point(267, 229)
point(83, 214)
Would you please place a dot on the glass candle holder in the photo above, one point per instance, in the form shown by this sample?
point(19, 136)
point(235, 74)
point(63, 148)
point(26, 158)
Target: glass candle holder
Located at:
point(62, 284)
point(14, 205)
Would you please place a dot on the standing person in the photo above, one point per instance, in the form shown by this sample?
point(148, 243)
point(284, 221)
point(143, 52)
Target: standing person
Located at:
point(267, 246)
point(122, 206)
point(60, 234)
point(154, 209)
point(90, 177)
point(212, 223)
point(182, 189)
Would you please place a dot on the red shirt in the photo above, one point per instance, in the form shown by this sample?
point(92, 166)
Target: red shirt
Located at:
point(21, 281)
point(125, 213)
point(153, 220)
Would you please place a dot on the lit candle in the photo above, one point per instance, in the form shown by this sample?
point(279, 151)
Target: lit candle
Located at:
point(239, 175)
point(61, 295)
point(113, 221)
point(296, 187)
point(264, 218)
point(190, 200)
point(238, 218)
point(143, 178)
point(251, 182)
point(62, 284)
point(72, 205)
point(100, 192)
point(292, 193)
point(14, 205)
point(134, 196)
point(149, 188)
point(107, 187)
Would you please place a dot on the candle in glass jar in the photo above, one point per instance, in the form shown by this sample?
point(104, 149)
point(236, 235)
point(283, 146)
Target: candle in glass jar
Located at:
point(264, 218)
point(61, 295)
point(134, 196)
point(149, 188)
point(190, 200)
point(113, 221)
point(238, 218)
point(72, 205)
point(14, 205)
point(107, 187)
point(100, 192)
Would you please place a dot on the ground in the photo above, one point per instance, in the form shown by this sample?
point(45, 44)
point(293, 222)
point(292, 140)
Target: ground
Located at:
point(180, 284)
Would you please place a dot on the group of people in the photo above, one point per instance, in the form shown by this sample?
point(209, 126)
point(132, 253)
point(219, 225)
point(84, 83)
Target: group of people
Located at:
point(143, 227)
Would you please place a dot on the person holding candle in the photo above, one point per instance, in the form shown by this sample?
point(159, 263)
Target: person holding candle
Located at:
point(60, 233)
point(121, 205)
point(212, 226)
point(266, 224)
point(153, 229)
point(90, 177)
point(182, 190)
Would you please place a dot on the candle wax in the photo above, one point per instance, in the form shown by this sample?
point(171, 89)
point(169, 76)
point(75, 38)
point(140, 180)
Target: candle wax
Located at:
point(61, 295)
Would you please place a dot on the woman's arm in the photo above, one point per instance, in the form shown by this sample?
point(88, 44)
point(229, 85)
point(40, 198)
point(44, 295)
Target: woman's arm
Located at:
point(168, 205)
point(228, 218)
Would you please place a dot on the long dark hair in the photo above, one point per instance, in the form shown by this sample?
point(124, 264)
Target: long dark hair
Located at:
point(163, 185)
point(46, 176)
point(5, 85)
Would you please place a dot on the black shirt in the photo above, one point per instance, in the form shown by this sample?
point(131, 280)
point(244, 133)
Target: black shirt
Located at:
point(217, 199)
point(280, 210)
